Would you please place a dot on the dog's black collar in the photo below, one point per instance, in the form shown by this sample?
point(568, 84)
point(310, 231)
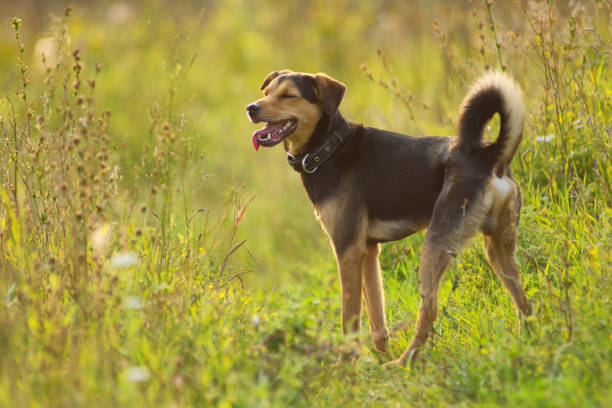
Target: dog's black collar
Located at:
point(308, 163)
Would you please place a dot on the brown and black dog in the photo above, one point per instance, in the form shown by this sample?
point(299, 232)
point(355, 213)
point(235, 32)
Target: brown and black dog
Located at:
point(370, 186)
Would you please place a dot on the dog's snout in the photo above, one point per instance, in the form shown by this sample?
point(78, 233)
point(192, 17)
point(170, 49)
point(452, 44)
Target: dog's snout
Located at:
point(253, 107)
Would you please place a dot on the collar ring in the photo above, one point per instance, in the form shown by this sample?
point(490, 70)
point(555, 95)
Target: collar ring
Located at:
point(304, 165)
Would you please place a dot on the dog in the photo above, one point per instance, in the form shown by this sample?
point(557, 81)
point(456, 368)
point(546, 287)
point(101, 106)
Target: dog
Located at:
point(370, 186)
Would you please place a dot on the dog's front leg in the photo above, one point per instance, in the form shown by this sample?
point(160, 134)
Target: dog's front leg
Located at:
point(349, 267)
point(374, 297)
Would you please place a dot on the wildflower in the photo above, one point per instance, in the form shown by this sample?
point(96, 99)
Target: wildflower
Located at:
point(124, 259)
point(132, 302)
point(545, 139)
point(99, 238)
point(136, 374)
point(178, 381)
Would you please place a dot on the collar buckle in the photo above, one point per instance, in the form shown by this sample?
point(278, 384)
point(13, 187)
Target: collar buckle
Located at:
point(306, 168)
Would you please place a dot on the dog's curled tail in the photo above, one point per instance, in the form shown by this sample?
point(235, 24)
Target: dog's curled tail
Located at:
point(494, 92)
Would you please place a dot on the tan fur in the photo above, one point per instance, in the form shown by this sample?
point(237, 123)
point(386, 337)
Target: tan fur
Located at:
point(374, 297)
point(349, 268)
point(275, 108)
point(500, 246)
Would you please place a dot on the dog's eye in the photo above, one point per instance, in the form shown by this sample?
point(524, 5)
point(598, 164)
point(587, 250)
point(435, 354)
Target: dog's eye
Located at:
point(288, 96)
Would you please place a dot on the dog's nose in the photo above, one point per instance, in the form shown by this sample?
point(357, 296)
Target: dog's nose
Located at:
point(253, 107)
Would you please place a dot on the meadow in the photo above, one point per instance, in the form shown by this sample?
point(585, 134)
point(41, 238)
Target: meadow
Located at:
point(150, 257)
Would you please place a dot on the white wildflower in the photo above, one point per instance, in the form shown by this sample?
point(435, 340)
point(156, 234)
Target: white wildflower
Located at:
point(136, 374)
point(132, 302)
point(124, 259)
point(545, 139)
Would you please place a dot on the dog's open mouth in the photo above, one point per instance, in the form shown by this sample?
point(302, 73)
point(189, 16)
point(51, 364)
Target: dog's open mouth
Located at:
point(273, 133)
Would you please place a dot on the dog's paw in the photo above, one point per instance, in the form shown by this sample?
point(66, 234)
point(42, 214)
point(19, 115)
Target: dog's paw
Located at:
point(381, 345)
point(394, 363)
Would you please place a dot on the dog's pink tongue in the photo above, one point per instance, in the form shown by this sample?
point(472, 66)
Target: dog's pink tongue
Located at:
point(256, 142)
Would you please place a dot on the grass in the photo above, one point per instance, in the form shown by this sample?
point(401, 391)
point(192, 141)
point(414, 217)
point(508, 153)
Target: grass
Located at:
point(129, 186)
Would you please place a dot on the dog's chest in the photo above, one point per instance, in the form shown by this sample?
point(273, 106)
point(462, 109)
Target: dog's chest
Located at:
point(329, 213)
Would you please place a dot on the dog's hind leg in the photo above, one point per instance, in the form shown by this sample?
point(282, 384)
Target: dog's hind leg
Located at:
point(500, 247)
point(454, 220)
point(374, 297)
point(433, 263)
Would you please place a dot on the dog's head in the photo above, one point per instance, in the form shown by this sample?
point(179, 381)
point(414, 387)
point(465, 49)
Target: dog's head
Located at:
point(292, 105)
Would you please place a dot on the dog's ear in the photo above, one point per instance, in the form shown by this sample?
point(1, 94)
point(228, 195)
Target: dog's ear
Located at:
point(330, 93)
point(273, 75)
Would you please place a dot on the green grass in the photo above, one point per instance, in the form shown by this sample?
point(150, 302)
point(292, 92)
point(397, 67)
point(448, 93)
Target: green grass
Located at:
point(124, 277)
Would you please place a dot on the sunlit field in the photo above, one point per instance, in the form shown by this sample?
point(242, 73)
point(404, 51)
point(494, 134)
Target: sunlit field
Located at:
point(150, 257)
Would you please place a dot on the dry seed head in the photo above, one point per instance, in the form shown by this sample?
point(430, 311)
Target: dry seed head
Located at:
point(16, 23)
